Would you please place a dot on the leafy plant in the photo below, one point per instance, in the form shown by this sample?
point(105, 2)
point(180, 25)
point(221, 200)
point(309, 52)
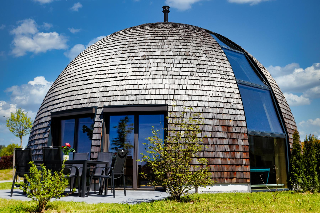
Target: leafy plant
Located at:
point(296, 164)
point(6, 162)
point(170, 160)
point(41, 185)
point(19, 124)
point(8, 150)
point(67, 149)
point(310, 162)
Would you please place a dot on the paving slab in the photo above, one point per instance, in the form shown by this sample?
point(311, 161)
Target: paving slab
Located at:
point(133, 197)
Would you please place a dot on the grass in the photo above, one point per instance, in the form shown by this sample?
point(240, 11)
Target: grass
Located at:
point(6, 174)
point(220, 202)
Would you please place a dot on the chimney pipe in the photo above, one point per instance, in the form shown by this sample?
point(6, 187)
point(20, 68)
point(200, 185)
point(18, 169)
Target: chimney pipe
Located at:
point(165, 12)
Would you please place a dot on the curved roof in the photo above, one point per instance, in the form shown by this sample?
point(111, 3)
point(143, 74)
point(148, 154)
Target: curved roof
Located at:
point(155, 64)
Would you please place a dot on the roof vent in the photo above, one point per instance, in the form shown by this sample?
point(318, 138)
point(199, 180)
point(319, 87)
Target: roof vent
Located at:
point(165, 12)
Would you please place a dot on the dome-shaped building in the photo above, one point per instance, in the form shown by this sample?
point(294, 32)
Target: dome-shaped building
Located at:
point(136, 75)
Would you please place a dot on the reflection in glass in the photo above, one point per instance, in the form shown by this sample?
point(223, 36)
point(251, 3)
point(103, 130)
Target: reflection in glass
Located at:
point(67, 132)
point(241, 67)
point(268, 161)
point(121, 137)
point(85, 132)
point(146, 122)
point(259, 110)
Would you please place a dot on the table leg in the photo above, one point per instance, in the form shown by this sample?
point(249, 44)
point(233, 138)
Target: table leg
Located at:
point(84, 179)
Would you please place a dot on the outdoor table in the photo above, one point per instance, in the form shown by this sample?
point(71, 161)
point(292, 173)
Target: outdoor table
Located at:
point(261, 170)
point(85, 164)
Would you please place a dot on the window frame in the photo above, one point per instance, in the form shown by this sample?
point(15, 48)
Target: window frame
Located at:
point(135, 110)
point(76, 114)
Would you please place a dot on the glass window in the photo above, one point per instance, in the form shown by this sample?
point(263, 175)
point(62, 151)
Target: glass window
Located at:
point(219, 41)
point(67, 132)
point(146, 123)
point(241, 67)
point(85, 132)
point(267, 162)
point(78, 133)
point(259, 110)
point(121, 136)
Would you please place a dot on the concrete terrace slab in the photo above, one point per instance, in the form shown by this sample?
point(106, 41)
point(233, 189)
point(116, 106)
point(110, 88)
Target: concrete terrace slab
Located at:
point(133, 197)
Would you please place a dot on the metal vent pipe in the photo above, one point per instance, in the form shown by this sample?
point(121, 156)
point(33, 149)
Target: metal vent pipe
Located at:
point(165, 12)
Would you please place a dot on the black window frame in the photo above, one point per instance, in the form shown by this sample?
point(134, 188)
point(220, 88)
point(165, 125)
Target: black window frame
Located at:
point(57, 117)
point(135, 110)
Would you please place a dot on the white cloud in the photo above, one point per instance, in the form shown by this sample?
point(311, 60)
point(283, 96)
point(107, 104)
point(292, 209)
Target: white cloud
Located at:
point(29, 96)
point(47, 26)
point(6, 109)
point(28, 39)
point(43, 1)
point(315, 122)
point(78, 48)
point(295, 79)
point(2, 26)
point(76, 6)
point(73, 30)
point(295, 100)
point(75, 51)
point(181, 4)
point(94, 41)
point(251, 2)
point(27, 26)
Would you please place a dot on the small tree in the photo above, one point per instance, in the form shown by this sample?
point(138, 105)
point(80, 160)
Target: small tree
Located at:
point(296, 164)
point(19, 124)
point(170, 160)
point(41, 185)
point(8, 150)
point(310, 162)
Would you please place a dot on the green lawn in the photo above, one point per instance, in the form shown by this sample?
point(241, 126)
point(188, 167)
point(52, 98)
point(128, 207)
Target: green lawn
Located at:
point(6, 174)
point(224, 202)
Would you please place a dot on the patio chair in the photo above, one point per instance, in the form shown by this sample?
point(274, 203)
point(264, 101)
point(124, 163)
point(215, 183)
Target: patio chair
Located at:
point(115, 172)
point(118, 168)
point(52, 158)
point(76, 169)
point(101, 169)
point(22, 166)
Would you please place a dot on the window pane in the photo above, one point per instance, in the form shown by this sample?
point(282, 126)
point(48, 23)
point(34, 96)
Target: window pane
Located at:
point(241, 67)
point(259, 110)
point(85, 131)
point(219, 41)
point(121, 136)
point(146, 122)
point(67, 132)
point(268, 161)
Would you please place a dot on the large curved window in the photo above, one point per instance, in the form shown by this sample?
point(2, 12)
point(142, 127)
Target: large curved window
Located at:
point(267, 144)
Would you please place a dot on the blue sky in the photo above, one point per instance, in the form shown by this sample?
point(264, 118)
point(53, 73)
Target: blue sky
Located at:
point(40, 37)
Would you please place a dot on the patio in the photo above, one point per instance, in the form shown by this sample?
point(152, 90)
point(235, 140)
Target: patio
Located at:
point(133, 196)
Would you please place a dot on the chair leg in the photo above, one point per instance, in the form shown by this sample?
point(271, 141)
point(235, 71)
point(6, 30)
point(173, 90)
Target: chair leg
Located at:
point(124, 185)
point(112, 181)
point(15, 177)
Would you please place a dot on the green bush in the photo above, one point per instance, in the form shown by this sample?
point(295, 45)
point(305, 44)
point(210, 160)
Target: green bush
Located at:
point(8, 150)
point(305, 164)
point(41, 185)
point(6, 162)
point(170, 160)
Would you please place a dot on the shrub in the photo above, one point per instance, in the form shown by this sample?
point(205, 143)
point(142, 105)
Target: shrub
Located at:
point(8, 150)
point(170, 159)
point(6, 162)
point(41, 185)
point(296, 164)
point(311, 181)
